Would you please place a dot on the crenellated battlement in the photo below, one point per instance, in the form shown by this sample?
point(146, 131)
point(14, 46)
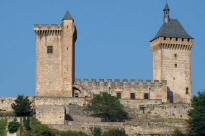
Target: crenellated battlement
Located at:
point(47, 29)
point(172, 43)
point(109, 83)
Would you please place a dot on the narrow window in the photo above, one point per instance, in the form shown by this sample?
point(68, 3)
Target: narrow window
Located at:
point(187, 90)
point(188, 39)
point(182, 39)
point(132, 96)
point(76, 95)
point(170, 38)
point(49, 49)
point(175, 65)
point(119, 95)
point(165, 38)
point(175, 55)
point(176, 39)
point(146, 96)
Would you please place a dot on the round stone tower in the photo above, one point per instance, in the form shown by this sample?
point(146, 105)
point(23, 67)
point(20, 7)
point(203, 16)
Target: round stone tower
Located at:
point(171, 50)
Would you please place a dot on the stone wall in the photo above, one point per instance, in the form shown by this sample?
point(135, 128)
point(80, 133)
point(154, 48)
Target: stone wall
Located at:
point(50, 114)
point(160, 111)
point(154, 90)
point(5, 103)
point(145, 128)
point(39, 101)
point(48, 65)
point(135, 104)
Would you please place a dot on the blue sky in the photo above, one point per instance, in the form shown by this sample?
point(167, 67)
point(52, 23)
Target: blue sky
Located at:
point(113, 38)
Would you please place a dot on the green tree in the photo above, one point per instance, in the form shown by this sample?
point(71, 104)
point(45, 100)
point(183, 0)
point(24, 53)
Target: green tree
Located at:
point(13, 126)
point(197, 115)
point(22, 106)
point(107, 107)
point(115, 132)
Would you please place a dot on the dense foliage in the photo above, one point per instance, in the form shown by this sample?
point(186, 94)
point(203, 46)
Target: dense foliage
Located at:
point(22, 106)
point(178, 133)
point(197, 115)
point(96, 131)
point(115, 132)
point(13, 126)
point(37, 129)
point(107, 107)
point(3, 124)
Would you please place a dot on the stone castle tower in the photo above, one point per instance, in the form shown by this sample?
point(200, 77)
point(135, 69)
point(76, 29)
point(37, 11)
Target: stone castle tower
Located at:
point(55, 48)
point(171, 49)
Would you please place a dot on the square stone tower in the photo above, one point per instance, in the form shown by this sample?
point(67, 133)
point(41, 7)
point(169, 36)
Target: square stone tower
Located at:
point(171, 49)
point(55, 58)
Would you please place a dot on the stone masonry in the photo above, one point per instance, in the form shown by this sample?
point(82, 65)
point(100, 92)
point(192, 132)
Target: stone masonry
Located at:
point(155, 107)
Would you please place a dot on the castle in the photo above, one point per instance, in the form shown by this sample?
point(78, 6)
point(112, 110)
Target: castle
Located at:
point(171, 49)
point(170, 92)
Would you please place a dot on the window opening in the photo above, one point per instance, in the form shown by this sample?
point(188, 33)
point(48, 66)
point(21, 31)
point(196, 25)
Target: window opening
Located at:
point(49, 49)
point(187, 90)
point(132, 95)
point(119, 95)
point(146, 96)
point(76, 95)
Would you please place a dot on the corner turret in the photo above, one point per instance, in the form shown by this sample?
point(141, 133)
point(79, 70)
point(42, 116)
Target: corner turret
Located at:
point(68, 39)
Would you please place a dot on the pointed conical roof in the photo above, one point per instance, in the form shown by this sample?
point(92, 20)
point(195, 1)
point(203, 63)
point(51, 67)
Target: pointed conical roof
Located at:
point(172, 29)
point(166, 7)
point(67, 16)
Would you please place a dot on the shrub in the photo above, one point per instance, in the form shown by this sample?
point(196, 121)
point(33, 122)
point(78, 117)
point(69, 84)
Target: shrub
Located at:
point(22, 106)
point(70, 133)
point(3, 124)
point(107, 107)
point(177, 132)
point(96, 131)
point(37, 129)
point(115, 132)
point(13, 126)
